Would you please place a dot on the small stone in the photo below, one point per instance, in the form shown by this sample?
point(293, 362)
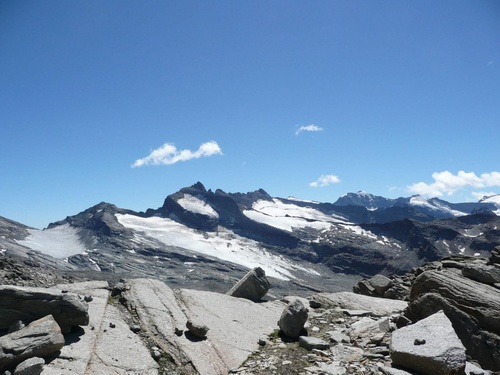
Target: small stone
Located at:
point(262, 342)
point(112, 325)
point(178, 331)
point(310, 343)
point(156, 354)
point(135, 328)
point(198, 330)
point(419, 342)
point(88, 298)
point(315, 304)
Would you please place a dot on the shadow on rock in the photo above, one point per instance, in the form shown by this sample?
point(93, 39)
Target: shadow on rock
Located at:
point(193, 338)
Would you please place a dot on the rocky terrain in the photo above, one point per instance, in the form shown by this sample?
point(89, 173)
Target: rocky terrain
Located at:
point(168, 290)
point(447, 325)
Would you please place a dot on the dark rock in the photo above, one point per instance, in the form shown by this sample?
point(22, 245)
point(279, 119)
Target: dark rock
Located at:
point(293, 318)
point(253, 286)
point(488, 274)
point(41, 338)
point(314, 304)
point(29, 304)
point(495, 256)
point(135, 328)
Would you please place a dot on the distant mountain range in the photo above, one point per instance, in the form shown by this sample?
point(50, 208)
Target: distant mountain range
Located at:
point(206, 239)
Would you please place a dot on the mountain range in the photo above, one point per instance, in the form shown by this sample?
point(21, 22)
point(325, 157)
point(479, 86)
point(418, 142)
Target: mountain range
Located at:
point(207, 239)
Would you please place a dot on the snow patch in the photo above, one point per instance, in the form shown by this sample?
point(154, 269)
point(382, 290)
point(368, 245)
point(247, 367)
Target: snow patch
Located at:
point(197, 206)
point(418, 200)
point(225, 244)
point(59, 242)
point(362, 232)
point(288, 216)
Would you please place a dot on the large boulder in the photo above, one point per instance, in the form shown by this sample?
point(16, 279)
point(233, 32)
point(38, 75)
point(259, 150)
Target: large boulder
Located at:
point(293, 318)
point(253, 286)
point(28, 304)
point(42, 338)
point(472, 307)
point(429, 347)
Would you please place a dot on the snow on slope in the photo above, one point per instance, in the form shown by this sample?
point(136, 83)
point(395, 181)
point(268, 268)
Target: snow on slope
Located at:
point(224, 244)
point(198, 206)
point(418, 200)
point(59, 242)
point(288, 216)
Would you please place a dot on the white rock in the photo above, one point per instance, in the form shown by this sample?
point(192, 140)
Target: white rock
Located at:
point(429, 346)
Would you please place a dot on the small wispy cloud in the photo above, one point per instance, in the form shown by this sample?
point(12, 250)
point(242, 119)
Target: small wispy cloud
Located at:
point(446, 183)
point(308, 128)
point(325, 180)
point(169, 154)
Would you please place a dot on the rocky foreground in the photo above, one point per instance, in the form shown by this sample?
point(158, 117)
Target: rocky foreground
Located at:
point(447, 323)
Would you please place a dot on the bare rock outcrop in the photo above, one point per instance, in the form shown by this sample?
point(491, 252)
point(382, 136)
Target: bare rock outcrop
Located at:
point(429, 347)
point(473, 308)
point(41, 338)
point(28, 304)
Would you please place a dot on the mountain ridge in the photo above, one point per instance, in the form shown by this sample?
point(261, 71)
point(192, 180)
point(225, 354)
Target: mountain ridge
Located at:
point(204, 238)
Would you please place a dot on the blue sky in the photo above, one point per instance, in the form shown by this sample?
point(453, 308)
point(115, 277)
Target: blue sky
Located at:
point(129, 101)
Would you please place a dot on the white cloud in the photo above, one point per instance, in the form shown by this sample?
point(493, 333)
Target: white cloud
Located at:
point(168, 154)
point(447, 183)
point(481, 194)
point(308, 128)
point(325, 180)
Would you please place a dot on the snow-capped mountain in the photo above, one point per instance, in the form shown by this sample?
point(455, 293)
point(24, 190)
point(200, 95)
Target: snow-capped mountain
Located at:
point(415, 207)
point(209, 239)
point(493, 200)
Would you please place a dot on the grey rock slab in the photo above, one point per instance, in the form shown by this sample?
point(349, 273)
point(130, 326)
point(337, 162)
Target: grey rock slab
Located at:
point(338, 336)
point(236, 324)
point(352, 301)
point(76, 354)
point(31, 366)
point(488, 274)
point(118, 350)
point(41, 338)
point(473, 369)
point(429, 346)
point(310, 343)
point(369, 331)
point(29, 303)
point(346, 353)
point(334, 368)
